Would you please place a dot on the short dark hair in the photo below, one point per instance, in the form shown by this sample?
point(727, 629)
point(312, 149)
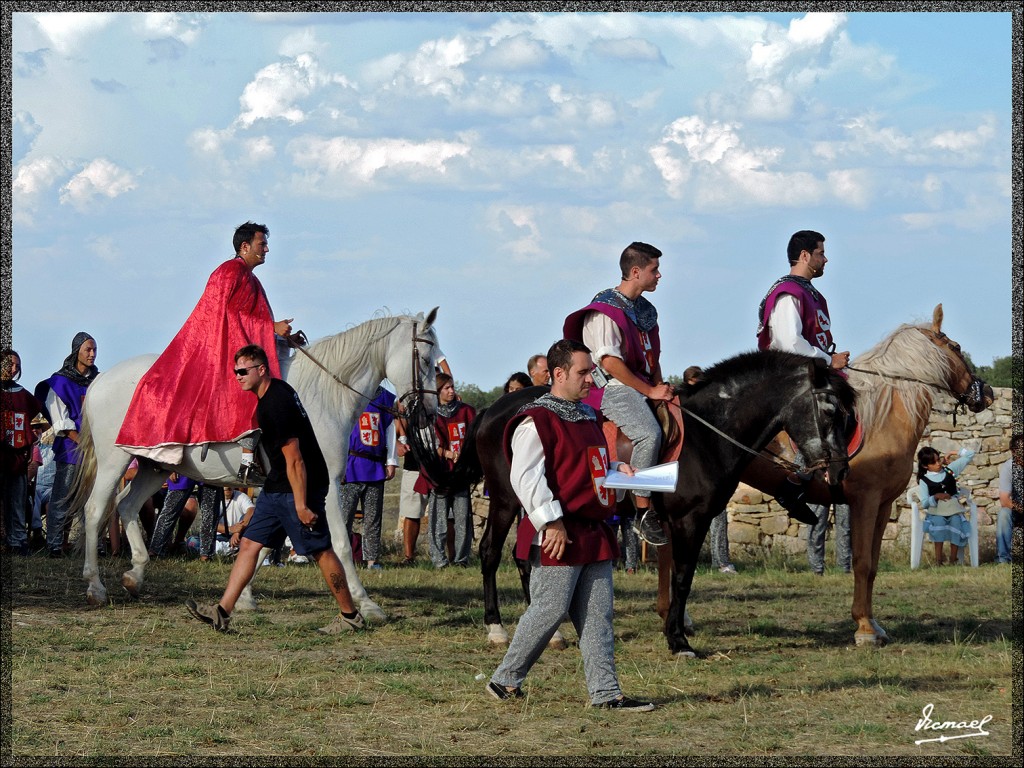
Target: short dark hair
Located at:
point(693, 372)
point(441, 380)
point(244, 233)
point(636, 255)
point(804, 240)
point(926, 456)
point(561, 352)
point(254, 352)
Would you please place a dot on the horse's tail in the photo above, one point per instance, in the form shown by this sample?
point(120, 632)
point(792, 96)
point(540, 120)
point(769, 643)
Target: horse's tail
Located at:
point(85, 475)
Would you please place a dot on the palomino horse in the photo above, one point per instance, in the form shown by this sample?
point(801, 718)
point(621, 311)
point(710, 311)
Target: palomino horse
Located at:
point(334, 378)
point(894, 381)
point(747, 399)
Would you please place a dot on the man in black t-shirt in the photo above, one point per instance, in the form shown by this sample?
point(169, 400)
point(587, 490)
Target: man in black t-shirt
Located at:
point(293, 499)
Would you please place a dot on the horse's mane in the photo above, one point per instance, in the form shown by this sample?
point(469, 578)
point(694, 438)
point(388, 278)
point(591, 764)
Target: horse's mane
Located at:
point(904, 352)
point(767, 362)
point(341, 354)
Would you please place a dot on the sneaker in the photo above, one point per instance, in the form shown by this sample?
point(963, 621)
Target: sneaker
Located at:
point(297, 559)
point(340, 625)
point(375, 567)
point(501, 693)
point(790, 496)
point(727, 568)
point(213, 615)
point(649, 529)
point(626, 704)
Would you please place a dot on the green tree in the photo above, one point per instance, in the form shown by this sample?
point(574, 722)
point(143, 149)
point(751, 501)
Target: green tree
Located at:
point(472, 395)
point(999, 374)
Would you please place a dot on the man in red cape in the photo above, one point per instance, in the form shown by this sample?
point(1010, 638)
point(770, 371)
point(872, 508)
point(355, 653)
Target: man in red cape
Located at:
point(189, 396)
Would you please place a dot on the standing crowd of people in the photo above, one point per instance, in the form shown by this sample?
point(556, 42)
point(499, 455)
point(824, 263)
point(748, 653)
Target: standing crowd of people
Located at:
point(219, 381)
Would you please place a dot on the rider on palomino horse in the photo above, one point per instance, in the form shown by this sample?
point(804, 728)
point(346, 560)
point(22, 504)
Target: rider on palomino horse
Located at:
point(793, 317)
point(189, 396)
point(621, 327)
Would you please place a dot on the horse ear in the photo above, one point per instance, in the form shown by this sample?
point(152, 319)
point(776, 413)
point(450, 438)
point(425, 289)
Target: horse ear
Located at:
point(431, 318)
point(937, 319)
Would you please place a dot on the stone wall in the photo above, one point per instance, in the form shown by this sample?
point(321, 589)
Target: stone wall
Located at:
point(758, 525)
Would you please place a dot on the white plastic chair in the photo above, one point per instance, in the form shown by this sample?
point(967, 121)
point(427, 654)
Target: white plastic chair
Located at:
point(917, 530)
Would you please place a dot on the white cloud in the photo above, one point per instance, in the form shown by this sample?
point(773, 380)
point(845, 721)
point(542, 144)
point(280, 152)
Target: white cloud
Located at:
point(805, 34)
point(518, 231)
point(851, 186)
point(183, 27)
point(303, 41)
point(277, 89)
point(100, 178)
point(965, 141)
point(35, 176)
point(517, 53)
point(628, 49)
point(365, 159)
point(65, 31)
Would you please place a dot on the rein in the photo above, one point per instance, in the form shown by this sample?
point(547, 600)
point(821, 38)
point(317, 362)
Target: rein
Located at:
point(299, 342)
point(771, 456)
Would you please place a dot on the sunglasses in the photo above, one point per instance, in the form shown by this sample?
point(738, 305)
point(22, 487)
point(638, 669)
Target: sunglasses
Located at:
point(244, 371)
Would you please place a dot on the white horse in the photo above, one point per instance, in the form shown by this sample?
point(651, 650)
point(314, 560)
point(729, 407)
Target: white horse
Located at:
point(334, 381)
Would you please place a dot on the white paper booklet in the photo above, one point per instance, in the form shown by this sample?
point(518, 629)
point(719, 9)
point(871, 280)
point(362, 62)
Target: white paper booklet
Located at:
point(662, 477)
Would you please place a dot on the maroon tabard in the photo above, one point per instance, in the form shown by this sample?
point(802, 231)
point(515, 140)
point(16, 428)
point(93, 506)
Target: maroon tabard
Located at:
point(575, 457)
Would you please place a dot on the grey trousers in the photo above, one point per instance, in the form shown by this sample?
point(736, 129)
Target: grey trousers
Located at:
point(584, 592)
point(372, 496)
point(211, 499)
point(56, 515)
point(631, 413)
point(816, 538)
point(438, 531)
point(719, 539)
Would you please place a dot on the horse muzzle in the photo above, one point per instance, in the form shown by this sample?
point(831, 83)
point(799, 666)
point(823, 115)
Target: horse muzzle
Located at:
point(978, 396)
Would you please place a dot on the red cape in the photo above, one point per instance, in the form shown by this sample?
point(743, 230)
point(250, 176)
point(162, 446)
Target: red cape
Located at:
point(190, 396)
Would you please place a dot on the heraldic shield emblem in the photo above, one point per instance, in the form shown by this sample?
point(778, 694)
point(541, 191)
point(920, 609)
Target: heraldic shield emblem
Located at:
point(597, 461)
point(369, 429)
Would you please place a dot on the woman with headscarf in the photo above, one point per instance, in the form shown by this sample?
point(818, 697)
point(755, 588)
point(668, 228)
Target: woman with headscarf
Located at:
point(64, 395)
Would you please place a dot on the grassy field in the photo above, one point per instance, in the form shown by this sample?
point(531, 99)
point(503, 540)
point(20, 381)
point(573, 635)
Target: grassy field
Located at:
point(779, 675)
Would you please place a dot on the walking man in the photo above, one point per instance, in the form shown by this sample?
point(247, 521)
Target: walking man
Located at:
point(292, 501)
point(559, 460)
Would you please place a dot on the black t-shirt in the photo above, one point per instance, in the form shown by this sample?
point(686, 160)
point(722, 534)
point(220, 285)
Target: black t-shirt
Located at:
point(282, 417)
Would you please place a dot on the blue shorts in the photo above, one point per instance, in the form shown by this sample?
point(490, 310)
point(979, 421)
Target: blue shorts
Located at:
point(275, 518)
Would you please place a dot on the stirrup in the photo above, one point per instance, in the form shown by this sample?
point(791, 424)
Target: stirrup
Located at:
point(251, 475)
point(648, 528)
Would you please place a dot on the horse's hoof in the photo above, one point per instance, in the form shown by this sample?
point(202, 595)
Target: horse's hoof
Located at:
point(496, 635)
point(131, 584)
point(685, 654)
point(372, 612)
point(245, 603)
point(869, 639)
point(557, 642)
point(882, 636)
point(95, 599)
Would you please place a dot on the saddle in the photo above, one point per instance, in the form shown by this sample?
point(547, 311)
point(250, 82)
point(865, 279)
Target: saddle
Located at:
point(620, 447)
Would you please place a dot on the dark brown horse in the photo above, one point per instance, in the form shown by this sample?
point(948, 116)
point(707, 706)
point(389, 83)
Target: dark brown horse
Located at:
point(895, 382)
point(740, 405)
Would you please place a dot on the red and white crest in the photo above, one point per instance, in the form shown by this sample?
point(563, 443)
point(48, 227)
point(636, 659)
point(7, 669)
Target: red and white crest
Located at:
point(645, 339)
point(597, 462)
point(14, 429)
point(369, 429)
point(456, 434)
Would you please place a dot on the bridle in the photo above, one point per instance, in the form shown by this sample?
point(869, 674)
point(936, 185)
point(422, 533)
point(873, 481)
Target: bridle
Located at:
point(975, 390)
point(814, 393)
point(299, 342)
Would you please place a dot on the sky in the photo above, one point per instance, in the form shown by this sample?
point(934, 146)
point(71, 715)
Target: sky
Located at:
point(496, 165)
